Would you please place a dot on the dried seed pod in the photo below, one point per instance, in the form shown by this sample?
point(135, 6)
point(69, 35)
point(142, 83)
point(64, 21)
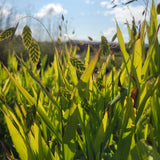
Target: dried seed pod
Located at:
point(134, 95)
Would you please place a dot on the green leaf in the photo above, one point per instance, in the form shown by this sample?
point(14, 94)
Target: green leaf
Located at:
point(30, 117)
point(27, 36)
point(155, 110)
point(87, 56)
point(7, 33)
point(32, 101)
point(126, 58)
point(18, 140)
point(28, 97)
point(39, 83)
point(147, 93)
point(34, 52)
point(150, 53)
point(126, 139)
point(137, 61)
point(48, 122)
point(89, 70)
point(129, 31)
point(142, 151)
point(69, 138)
point(151, 30)
point(100, 134)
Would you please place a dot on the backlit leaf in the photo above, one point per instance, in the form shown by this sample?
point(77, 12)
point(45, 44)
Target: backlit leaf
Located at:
point(126, 57)
point(17, 139)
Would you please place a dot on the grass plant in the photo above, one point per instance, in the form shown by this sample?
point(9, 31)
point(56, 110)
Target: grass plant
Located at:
point(65, 112)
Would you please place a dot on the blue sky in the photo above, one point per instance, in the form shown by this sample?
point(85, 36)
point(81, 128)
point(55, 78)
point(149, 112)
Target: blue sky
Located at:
point(84, 17)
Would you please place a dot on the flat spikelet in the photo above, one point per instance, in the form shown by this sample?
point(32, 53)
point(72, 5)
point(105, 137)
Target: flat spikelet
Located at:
point(77, 63)
point(65, 93)
point(104, 45)
point(27, 36)
point(7, 33)
point(34, 52)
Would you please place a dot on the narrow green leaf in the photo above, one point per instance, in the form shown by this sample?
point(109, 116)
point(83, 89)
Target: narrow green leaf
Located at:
point(126, 58)
point(142, 151)
point(129, 31)
point(30, 116)
point(89, 70)
point(149, 92)
point(126, 139)
point(28, 97)
point(40, 84)
point(48, 123)
point(32, 101)
point(151, 30)
point(150, 53)
point(137, 61)
point(100, 134)
point(87, 56)
point(70, 136)
point(18, 140)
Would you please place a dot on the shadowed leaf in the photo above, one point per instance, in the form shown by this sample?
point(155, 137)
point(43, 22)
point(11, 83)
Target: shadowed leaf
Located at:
point(158, 8)
point(90, 38)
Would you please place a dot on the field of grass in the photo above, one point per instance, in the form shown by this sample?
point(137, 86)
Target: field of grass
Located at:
point(65, 111)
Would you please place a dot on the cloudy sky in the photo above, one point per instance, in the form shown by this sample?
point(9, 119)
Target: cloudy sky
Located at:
point(82, 18)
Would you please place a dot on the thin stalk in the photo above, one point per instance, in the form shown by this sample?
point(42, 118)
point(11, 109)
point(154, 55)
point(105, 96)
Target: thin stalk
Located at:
point(40, 23)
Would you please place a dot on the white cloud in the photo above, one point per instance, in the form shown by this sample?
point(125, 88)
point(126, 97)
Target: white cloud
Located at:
point(89, 1)
point(50, 10)
point(5, 9)
point(106, 4)
point(109, 33)
point(19, 17)
point(4, 12)
point(121, 14)
point(82, 14)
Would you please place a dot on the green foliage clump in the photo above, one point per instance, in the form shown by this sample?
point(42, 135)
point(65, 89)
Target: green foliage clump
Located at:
point(54, 113)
